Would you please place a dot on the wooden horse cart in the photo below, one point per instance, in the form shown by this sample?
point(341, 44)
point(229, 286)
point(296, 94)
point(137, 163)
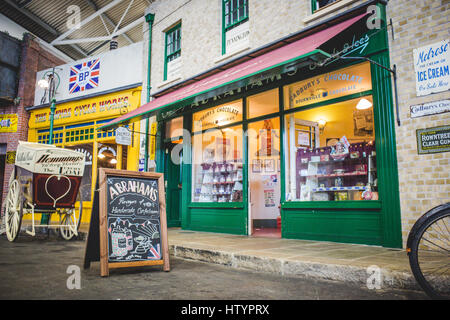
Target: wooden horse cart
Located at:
point(45, 180)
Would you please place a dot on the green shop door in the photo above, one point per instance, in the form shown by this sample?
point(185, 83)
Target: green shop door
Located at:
point(173, 182)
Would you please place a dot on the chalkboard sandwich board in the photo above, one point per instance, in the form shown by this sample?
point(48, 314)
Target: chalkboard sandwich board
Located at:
point(132, 220)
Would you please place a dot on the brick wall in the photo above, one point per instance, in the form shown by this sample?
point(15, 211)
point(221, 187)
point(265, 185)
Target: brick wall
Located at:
point(34, 58)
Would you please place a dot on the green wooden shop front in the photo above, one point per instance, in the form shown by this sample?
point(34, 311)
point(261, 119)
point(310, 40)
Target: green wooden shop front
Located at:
point(300, 189)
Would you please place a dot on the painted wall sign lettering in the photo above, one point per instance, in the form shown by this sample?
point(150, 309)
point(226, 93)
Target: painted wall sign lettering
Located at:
point(100, 107)
point(237, 38)
point(432, 68)
point(433, 140)
point(430, 108)
point(331, 85)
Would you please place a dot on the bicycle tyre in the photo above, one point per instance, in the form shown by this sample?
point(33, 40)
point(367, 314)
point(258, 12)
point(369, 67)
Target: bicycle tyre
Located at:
point(420, 246)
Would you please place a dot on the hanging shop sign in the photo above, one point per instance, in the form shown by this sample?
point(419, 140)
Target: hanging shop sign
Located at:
point(331, 85)
point(431, 108)
point(8, 123)
point(432, 68)
point(100, 107)
point(128, 223)
point(433, 140)
point(123, 136)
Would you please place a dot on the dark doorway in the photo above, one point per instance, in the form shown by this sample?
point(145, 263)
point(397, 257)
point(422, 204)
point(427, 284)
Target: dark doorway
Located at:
point(173, 180)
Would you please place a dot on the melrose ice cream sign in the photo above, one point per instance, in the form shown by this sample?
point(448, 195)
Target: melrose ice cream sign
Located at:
point(432, 68)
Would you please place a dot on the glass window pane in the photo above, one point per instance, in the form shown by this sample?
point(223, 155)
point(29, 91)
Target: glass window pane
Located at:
point(174, 128)
point(327, 86)
point(217, 171)
point(330, 153)
point(262, 104)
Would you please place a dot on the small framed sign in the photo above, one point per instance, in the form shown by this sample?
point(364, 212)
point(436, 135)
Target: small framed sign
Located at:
point(433, 140)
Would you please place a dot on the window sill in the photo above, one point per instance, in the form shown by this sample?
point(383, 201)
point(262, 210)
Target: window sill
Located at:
point(349, 204)
point(233, 205)
point(229, 55)
point(319, 13)
point(169, 81)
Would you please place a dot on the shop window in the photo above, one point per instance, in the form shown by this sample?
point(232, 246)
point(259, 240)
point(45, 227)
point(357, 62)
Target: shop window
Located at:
point(235, 12)
point(80, 133)
point(328, 86)
point(318, 4)
point(330, 153)
point(107, 133)
point(217, 172)
point(262, 104)
point(218, 116)
point(44, 135)
point(172, 53)
point(174, 128)
point(107, 155)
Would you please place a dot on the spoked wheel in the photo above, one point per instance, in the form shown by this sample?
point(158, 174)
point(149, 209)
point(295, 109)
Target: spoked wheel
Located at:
point(70, 220)
point(430, 255)
point(13, 211)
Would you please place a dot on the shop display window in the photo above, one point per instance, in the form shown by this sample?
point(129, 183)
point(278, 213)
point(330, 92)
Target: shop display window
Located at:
point(217, 168)
point(262, 104)
point(330, 154)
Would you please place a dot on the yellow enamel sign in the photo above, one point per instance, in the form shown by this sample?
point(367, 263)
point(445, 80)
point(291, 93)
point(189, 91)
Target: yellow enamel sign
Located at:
point(8, 122)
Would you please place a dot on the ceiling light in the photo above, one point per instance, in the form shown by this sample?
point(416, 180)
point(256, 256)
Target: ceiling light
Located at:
point(363, 104)
point(101, 156)
point(113, 161)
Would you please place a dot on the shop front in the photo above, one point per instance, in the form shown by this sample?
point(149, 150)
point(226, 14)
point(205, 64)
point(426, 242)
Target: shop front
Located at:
point(301, 149)
point(76, 126)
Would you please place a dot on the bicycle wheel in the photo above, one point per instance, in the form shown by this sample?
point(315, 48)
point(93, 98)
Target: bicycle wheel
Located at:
point(429, 255)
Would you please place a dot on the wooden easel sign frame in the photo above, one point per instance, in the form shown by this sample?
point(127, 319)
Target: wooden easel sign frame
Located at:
point(132, 220)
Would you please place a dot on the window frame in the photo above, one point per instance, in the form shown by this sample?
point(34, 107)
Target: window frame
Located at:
point(314, 6)
point(173, 55)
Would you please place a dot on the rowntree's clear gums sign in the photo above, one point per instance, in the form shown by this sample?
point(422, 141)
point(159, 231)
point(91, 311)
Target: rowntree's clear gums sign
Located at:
point(432, 67)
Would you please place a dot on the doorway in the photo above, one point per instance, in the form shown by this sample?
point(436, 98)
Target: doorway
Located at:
point(264, 178)
point(173, 181)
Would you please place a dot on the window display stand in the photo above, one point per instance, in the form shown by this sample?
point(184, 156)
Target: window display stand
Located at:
point(322, 176)
point(221, 182)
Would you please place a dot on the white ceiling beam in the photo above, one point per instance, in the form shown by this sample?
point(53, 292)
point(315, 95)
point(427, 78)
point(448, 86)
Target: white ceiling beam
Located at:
point(87, 20)
point(105, 38)
point(108, 19)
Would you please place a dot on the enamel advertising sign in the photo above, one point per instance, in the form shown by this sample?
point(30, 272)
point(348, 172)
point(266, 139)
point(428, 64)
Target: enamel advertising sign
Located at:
point(432, 68)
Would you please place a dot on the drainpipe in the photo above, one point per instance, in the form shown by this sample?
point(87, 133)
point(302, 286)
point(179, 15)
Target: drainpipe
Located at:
point(149, 18)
